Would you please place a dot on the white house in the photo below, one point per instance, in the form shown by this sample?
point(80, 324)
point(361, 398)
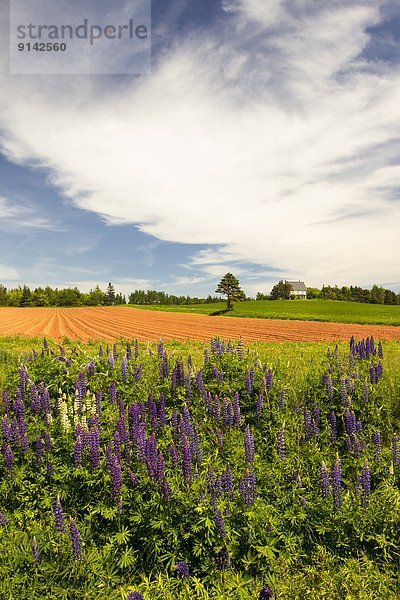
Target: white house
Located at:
point(299, 290)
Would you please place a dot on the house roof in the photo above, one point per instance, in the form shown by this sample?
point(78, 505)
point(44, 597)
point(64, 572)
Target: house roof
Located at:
point(298, 286)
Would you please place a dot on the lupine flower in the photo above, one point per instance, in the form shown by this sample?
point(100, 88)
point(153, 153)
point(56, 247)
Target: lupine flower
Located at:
point(3, 520)
point(269, 379)
point(249, 444)
point(325, 481)
point(365, 481)
point(183, 569)
point(329, 387)
point(76, 541)
point(38, 446)
point(228, 412)
point(35, 551)
point(282, 400)
point(377, 440)
point(223, 560)
point(78, 451)
point(9, 457)
point(395, 450)
point(307, 424)
point(281, 444)
point(134, 479)
point(248, 488)
point(266, 594)
point(333, 422)
point(259, 405)
point(350, 422)
point(337, 484)
point(135, 596)
point(236, 410)
point(59, 516)
point(380, 350)
point(220, 437)
point(220, 522)
point(227, 482)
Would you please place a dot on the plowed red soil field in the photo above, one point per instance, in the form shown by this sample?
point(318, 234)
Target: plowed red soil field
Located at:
point(111, 323)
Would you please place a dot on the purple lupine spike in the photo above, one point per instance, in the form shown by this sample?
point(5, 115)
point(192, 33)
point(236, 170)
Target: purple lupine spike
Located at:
point(266, 593)
point(136, 349)
point(372, 375)
point(228, 412)
point(94, 447)
point(379, 371)
point(128, 351)
point(76, 541)
point(220, 437)
point(395, 450)
point(91, 368)
point(182, 569)
point(329, 386)
point(151, 455)
point(188, 387)
point(269, 379)
point(186, 459)
point(78, 451)
point(359, 427)
point(113, 393)
point(249, 445)
point(281, 444)
point(47, 442)
point(248, 488)
point(138, 372)
point(377, 441)
point(59, 516)
point(6, 429)
point(8, 457)
point(307, 424)
point(175, 425)
point(161, 412)
point(124, 369)
point(214, 486)
point(227, 482)
point(206, 355)
point(49, 469)
point(217, 408)
point(134, 479)
point(174, 455)
point(259, 406)
point(35, 551)
point(366, 483)
point(164, 368)
point(350, 422)
point(333, 422)
point(236, 410)
point(343, 391)
point(282, 400)
point(3, 520)
point(200, 381)
point(380, 350)
point(220, 522)
point(15, 433)
point(111, 361)
point(249, 384)
point(135, 596)
point(337, 484)
point(115, 352)
point(223, 560)
point(366, 392)
point(357, 448)
point(195, 449)
point(325, 481)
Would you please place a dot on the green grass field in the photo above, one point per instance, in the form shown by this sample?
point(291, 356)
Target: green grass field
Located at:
point(310, 310)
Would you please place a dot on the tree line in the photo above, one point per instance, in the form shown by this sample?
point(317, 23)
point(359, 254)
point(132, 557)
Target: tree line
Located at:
point(353, 293)
point(23, 296)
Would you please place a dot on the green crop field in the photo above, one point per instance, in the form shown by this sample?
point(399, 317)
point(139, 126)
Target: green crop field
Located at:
point(184, 471)
point(309, 310)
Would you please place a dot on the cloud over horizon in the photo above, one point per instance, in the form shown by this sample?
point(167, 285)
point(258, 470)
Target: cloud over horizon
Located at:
point(267, 137)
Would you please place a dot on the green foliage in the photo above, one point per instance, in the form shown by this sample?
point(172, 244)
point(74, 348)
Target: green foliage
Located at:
point(281, 290)
point(229, 286)
point(291, 538)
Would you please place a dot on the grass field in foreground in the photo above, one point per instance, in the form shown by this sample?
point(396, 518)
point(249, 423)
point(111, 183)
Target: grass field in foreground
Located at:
point(309, 310)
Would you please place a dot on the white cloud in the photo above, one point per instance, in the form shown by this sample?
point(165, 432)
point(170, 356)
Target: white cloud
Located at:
point(270, 140)
point(8, 273)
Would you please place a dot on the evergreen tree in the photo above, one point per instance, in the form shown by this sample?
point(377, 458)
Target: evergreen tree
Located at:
point(110, 295)
point(229, 287)
point(25, 299)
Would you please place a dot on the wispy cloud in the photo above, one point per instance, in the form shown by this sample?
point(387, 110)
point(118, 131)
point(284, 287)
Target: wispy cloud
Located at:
point(260, 137)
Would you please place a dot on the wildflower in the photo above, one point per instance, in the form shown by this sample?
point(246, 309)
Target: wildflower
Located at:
point(223, 560)
point(377, 440)
point(249, 444)
point(76, 541)
point(266, 594)
point(183, 569)
point(337, 484)
point(325, 481)
point(395, 450)
point(333, 422)
point(248, 488)
point(135, 596)
point(365, 481)
point(3, 520)
point(35, 551)
point(59, 516)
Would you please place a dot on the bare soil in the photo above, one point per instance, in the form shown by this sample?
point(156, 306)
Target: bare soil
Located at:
point(112, 323)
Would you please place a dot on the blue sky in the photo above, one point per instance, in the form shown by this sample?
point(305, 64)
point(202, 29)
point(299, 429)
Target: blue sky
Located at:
point(265, 142)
